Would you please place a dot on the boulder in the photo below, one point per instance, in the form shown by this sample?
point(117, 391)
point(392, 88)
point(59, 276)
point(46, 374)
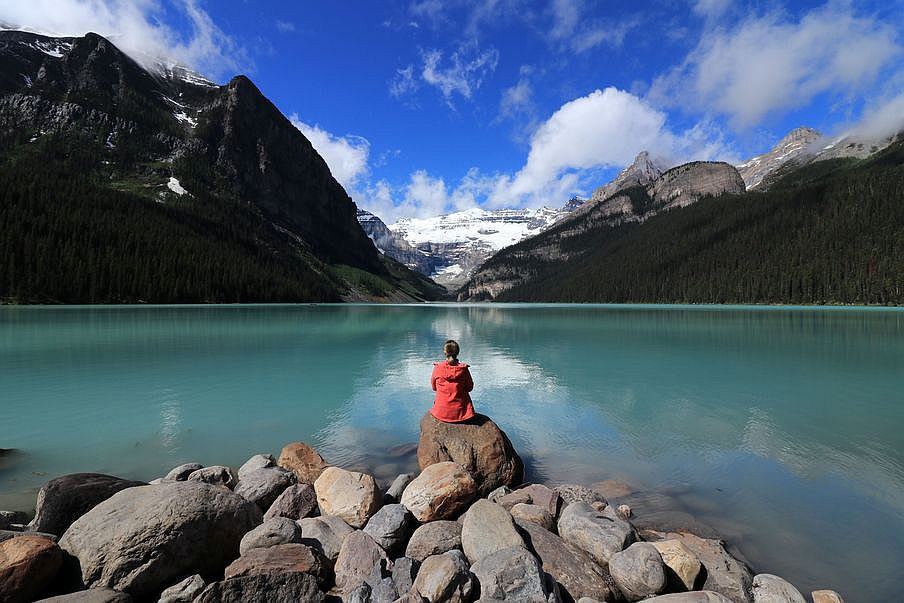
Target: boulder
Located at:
point(92, 595)
point(12, 518)
point(767, 588)
point(296, 502)
point(599, 534)
point(404, 570)
point(183, 592)
point(325, 533)
point(181, 473)
point(279, 530)
point(498, 493)
point(625, 511)
point(445, 579)
point(638, 571)
point(7, 534)
point(293, 586)
point(410, 597)
point(826, 596)
point(281, 559)
point(28, 565)
point(360, 594)
point(574, 570)
point(487, 528)
point(533, 494)
point(477, 444)
point(511, 574)
point(64, 499)
point(390, 527)
point(215, 475)
point(434, 538)
point(572, 493)
point(350, 495)
point(383, 591)
point(724, 574)
point(398, 485)
point(142, 539)
point(357, 559)
point(700, 596)
point(534, 514)
point(439, 492)
point(682, 565)
point(258, 461)
point(263, 486)
point(303, 461)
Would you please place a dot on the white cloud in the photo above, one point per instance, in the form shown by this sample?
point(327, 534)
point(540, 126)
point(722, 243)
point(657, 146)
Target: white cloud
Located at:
point(285, 26)
point(604, 129)
point(403, 83)
point(517, 99)
point(882, 121)
point(768, 64)
point(466, 71)
point(711, 9)
point(573, 29)
point(346, 156)
point(135, 28)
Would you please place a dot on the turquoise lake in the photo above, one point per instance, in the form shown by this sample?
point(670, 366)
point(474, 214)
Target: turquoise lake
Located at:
point(780, 429)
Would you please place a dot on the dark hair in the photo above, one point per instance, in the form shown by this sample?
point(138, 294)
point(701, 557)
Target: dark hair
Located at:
point(450, 349)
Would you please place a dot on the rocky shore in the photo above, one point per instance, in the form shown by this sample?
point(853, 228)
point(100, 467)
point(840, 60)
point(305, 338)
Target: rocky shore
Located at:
point(295, 528)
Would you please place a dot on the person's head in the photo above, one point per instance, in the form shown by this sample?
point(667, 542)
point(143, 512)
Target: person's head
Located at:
point(450, 349)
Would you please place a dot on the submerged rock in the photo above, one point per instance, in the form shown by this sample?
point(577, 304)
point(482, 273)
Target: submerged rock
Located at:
point(142, 539)
point(64, 499)
point(478, 445)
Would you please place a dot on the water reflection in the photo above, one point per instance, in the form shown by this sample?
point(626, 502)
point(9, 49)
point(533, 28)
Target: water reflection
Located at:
point(760, 424)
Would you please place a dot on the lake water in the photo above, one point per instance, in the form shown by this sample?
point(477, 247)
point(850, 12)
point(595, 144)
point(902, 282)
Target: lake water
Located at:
point(781, 429)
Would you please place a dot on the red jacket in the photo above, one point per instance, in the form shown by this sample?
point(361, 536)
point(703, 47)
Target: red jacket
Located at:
point(452, 382)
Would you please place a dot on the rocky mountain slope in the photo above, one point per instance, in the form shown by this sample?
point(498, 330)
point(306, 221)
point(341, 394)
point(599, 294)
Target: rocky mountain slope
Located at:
point(448, 248)
point(795, 144)
point(639, 199)
point(220, 165)
point(825, 232)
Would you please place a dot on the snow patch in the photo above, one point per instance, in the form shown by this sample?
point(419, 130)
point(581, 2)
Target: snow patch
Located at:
point(184, 118)
point(54, 49)
point(174, 186)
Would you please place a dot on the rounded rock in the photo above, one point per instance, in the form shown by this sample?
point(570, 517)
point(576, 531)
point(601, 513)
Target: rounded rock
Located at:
point(439, 492)
point(296, 502)
point(638, 571)
point(768, 588)
point(28, 564)
point(487, 528)
point(215, 475)
point(434, 538)
point(305, 462)
point(350, 495)
point(279, 530)
point(263, 486)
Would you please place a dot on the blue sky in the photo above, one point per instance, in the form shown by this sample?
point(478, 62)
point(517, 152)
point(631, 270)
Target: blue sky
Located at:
point(428, 106)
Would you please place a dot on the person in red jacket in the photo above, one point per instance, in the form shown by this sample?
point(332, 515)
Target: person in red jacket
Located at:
point(451, 380)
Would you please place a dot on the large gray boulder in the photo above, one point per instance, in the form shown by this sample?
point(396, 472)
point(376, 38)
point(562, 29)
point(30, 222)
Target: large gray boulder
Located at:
point(574, 570)
point(638, 571)
point(393, 493)
point(64, 499)
point(700, 596)
point(478, 445)
point(487, 528)
point(295, 502)
point(142, 539)
point(445, 579)
point(390, 527)
point(767, 588)
point(357, 559)
point(351, 495)
point(279, 530)
point(434, 538)
point(263, 588)
point(258, 461)
point(263, 486)
point(511, 574)
point(441, 491)
point(533, 514)
point(599, 534)
point(325, 533)
point(404, 570)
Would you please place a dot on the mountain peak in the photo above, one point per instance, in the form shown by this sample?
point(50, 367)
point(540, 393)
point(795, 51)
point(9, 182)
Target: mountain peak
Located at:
point(642, 171)
point(793, 145)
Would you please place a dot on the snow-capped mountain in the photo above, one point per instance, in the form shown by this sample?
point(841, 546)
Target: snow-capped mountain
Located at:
point(796, 143)
point(450, 247)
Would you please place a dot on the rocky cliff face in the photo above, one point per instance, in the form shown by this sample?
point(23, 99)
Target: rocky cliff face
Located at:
point(677, 187)
point(797, 143)
point(642, 171)
point(394, 246)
